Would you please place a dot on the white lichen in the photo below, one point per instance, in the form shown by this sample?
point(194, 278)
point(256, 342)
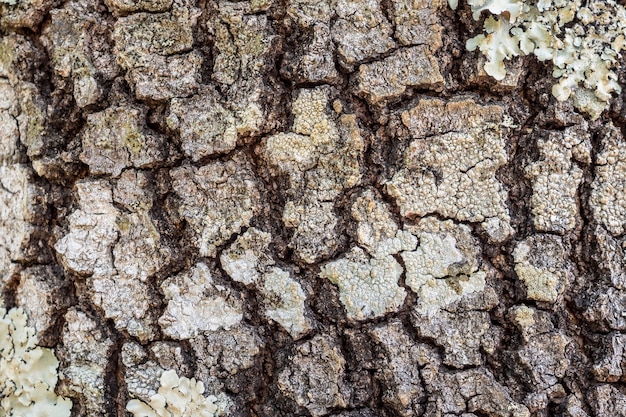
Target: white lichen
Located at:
point(118, 250)
point(556, 177)
point(177, 397)
point(583, 42)
point(249, 261)
point(320, 156)
point(217, 200)
point(86, 248)
point(376, 231)
point(445, 267)
point(608, 199)
point(284, 302)
point(197, 304)
point(450, 166)
point(368, 281)
point(405, 68)
point(368, 287)
point(247, 258)
point(28, 373)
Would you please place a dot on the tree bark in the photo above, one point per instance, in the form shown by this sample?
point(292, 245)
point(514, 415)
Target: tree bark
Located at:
point(312, 207)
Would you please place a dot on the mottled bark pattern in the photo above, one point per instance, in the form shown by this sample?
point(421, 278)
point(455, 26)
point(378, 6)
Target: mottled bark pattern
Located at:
point(314, 207)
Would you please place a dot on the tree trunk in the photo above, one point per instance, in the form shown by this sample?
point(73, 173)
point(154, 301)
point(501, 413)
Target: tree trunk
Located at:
point(312, 207)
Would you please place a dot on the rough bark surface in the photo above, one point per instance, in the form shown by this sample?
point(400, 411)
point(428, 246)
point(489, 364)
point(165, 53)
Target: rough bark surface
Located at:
point(314, 207)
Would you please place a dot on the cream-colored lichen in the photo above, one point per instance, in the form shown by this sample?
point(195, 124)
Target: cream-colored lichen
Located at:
point(28, 373)
point(453, 293)
point(608, 195)
point(247, 258)
point(86, 248)
point(556, 177)
point(454, 175)
point(368, 287)
point(583, 41)
point(449, 167)
point(376, 231)
point(177, 397)
point(368, 281)
point(406, 68)
point(541, 285)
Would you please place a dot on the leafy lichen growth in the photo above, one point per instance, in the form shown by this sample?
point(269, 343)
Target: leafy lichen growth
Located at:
point(28, 373)
point(177, 397)
point(583, 41)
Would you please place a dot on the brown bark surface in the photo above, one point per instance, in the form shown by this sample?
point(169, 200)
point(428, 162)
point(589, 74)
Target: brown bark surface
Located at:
point(312, 207)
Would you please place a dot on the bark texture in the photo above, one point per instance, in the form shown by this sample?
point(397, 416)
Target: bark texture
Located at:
point(314, 207)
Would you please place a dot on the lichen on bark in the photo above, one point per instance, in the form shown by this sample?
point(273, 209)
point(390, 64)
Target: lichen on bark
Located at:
point(309, 208)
